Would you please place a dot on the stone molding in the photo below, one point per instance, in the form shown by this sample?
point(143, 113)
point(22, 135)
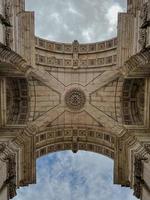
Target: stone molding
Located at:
point(137, 65)
point(10, 57)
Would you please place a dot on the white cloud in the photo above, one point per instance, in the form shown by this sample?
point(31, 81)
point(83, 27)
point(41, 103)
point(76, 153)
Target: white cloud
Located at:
point(74, 11)
point(112, 16)
point(56, 16)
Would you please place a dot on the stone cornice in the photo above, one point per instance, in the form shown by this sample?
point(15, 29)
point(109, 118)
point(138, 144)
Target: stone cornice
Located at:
point(10, 57)
point(137, 65)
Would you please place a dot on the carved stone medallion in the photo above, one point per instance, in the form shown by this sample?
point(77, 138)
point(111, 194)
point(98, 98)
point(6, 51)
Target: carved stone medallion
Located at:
point(75, 99)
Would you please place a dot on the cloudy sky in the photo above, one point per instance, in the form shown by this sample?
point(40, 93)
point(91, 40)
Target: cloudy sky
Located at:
point(84, 20)
point(68, 176)
point(85, 175)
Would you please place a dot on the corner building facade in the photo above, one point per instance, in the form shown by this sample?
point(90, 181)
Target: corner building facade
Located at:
point(71, 96)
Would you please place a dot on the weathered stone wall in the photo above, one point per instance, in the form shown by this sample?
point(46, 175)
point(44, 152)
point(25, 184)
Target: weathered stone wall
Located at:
point(133, 30)
point(2, 26)
point(146, 184)
point(17, 28)
point(25, 36)
point(3, 173)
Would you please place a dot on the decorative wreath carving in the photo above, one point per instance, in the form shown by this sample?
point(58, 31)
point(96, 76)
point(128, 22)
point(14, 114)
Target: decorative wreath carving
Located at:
point(75, 99)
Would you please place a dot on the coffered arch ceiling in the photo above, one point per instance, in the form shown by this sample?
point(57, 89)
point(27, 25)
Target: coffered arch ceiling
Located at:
point(80, 138)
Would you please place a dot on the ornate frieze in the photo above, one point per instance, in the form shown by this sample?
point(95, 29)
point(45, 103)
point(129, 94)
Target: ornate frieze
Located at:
point(75, 47)
point(74, 139)
point(55, 61)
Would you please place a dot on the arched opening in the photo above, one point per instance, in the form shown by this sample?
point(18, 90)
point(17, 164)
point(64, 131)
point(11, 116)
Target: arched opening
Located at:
point(64, 175)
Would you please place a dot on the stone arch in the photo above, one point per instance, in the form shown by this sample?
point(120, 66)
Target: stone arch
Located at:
point(81, 138)
point(114, 55)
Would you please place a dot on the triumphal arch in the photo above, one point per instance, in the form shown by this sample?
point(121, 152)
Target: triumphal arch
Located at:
point(59, 96)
